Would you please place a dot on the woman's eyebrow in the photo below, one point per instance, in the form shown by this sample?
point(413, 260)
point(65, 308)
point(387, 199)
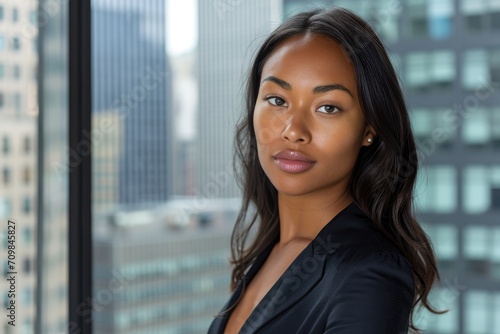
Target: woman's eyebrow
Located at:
point(320, 89)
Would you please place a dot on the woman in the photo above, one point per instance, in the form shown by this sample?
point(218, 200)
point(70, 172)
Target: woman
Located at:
point(329, 164)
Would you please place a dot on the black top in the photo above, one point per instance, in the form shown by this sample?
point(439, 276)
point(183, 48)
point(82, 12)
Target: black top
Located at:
point(350, 279)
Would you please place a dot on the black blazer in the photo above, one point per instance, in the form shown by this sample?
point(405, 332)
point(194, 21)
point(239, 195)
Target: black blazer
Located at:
point(349, 280)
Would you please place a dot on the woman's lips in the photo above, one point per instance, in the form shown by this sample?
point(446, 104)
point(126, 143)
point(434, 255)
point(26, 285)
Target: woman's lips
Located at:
point(293, 161)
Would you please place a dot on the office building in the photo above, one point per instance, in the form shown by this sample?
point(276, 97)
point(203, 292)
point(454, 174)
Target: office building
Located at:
point(131, 77)
point(170, 272)
point(18, 157)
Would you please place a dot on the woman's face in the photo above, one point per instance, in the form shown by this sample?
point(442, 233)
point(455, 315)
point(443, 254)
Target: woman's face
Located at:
point(308, 121)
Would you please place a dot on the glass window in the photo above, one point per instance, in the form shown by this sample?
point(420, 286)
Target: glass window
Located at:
point(26, 205)
point(442, 69)
point(474, 11)
point(416, 70)
point(442, 297)
point(15, 15)
point(422, 122)
point(2, 71)
point(27, 145)
point(418, 25)
point(16, 43)
point(475, 69)
point(2, 100)
point(495, 65)
point(5, 145)
point(477, 128)
point(1, 13)
point(478, 312)
point(436, 189)
point(441, 15)
point(2, 43)
point(476, 190)
point(6, 175)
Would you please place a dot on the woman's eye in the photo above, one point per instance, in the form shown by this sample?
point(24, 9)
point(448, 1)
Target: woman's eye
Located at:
point(276, 101)
point(328, 109)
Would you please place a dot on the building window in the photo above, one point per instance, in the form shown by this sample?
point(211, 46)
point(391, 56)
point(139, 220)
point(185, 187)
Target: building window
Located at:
point(6, 175)
point(2, 71)
point(475, 69)
point(481, 15)
point(16, 43)
point(2, 43)
point(430, 70)
point(480, 187)
point(1, 13)
point(27, 266)
point(26, 175)
point(15, 15)
point(26, 205)
point(436, 189)
point(27, 145)
point(5, 145)
point(2, 100)
point(17, 102)
point(432, 128)
point(476, 130)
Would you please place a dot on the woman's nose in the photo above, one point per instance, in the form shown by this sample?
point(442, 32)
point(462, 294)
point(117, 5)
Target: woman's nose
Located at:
point(296, 129)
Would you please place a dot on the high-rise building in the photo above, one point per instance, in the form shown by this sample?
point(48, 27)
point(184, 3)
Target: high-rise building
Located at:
point(131, 78)
point(229, 34)
point(170, 272)
point(447, 54)
point(18, 161)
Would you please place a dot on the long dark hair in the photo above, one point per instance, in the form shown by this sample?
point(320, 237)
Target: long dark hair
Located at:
point(383, 178)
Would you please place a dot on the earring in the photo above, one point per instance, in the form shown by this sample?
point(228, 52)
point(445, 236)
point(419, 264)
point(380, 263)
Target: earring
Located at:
point(369, 140)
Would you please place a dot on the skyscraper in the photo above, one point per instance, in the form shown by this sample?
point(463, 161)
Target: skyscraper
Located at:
point(229, 33)
point(131, 77)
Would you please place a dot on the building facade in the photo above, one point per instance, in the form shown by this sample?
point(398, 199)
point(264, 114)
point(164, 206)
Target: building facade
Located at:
point(18, 158)
point(170, 271)
point(132, 79)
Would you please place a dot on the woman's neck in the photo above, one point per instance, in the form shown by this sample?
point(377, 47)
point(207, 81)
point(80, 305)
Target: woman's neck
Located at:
point(303, 217)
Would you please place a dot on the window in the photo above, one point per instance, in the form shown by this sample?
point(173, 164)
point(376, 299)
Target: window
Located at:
point(27, 265)
point(2, 71)
point(475, 69)
point(16, 43)
point(477, 128)
point(15, 15)
point(481, 186)
point(6, 175)
point(5, 145)
point(26, 175)
point(481, 15)
point(432, 19)
point(26, 144)
point(2, 100)
point(1, 13)
point(426, 70)
point(2, 43)
point(26, 205)
point(436, 189)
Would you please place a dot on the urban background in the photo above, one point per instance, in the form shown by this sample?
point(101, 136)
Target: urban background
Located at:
point(168, 87)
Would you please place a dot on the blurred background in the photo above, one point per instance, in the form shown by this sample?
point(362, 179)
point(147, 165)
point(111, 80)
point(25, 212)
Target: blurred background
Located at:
point(167, 89)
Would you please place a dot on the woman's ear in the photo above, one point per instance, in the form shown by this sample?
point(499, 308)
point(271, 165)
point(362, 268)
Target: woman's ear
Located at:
point(369, 136)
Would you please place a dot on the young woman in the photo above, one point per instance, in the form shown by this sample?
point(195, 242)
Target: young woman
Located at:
point(329, 164)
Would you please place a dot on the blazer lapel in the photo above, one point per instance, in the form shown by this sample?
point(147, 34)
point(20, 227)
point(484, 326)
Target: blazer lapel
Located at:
point(298, 279)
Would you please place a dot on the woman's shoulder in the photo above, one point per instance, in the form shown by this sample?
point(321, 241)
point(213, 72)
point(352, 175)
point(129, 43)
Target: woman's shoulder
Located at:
point(352, 239)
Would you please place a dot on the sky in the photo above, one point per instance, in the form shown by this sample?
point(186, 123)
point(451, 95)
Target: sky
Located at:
point(182, 29)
